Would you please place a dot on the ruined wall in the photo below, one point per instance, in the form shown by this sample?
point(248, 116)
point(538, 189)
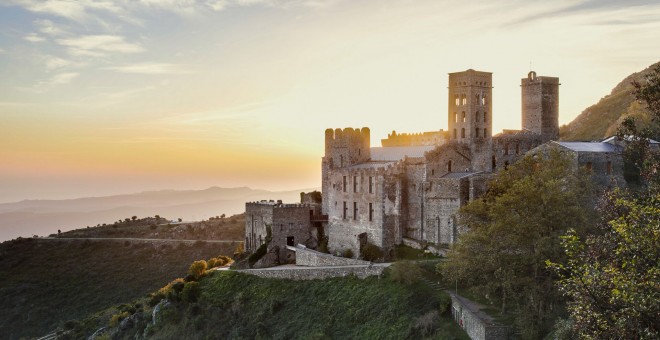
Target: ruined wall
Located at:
point(291, 221)
point(312, 258)
point(477, 325)
point(540, 105)
point(319, 273)
point(258, 215)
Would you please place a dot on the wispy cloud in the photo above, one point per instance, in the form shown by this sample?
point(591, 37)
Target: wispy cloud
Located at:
point(73, 10)
point(2, 51)
point(49, 28)
point(32, 37)
point(151, 68)
point(53, 63)
point(99, 45)
point(586, 6)
point(58, 79)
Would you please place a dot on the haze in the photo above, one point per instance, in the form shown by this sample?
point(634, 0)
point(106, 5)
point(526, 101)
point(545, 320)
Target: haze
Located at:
point(108, 97)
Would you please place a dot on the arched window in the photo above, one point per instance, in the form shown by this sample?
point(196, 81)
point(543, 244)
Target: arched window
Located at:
point(476, 133)
point(464, 100)
point(483, 100)
point(463, 133)
point(457, 101)
point(455, 134)
point(449, 166)
point(463, 116)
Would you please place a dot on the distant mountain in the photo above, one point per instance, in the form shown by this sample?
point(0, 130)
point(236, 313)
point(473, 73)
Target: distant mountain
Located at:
point(603, 119)
point(44, 217)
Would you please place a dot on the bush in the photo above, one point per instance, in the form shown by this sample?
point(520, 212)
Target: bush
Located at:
point(261, 251)
point(198, 269)
point(116, 318)
point(405, 272)
point(371, 252)
point(427, 323)
point(347, 253)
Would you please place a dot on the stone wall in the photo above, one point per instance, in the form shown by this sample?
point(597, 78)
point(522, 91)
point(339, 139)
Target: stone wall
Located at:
point(258, 215)
point(311, 258)
point(474, 322)
point(291, 272)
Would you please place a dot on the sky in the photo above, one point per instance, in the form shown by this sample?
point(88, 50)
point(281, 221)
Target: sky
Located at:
point(101, 97)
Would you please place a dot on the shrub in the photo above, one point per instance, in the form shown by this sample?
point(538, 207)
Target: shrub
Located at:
point(198, 269)
point(347, 253)
point(427, 323)
point(404, 272)
point(371, 252)
point(116, 318)
point(261, 251)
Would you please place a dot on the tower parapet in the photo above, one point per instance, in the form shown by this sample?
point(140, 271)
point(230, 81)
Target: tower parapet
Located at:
point(344, 147)
point(540, 105)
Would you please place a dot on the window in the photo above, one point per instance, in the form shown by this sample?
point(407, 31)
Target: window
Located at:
point(506, 148)
point(290, 226)
point(506, 165)
point(609, 168)
point(517, 148)
point(345, 209)
point(456, 100)
point(341, 161)
point(371, 185)
point(344, 182)
point(485, 133)
point(485, 116)
point(432, 172)
point(589, 166)
point(483, 100)
point(476, 133)
point(455, 134)
point(455, 117)
point(449, 166)
point(355, 211)
point(355, 184)
point(494, 163)
point(371, 212)
point(463, 114)
point(464, 100)
point(477, 117)
point(463, 133)
point(290, 241)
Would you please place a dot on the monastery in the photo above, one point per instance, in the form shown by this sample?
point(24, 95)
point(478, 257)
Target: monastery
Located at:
point(408, 190)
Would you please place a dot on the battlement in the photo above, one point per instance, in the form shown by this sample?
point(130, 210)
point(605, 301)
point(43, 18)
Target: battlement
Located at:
point(344, 147)
point(346, 133)
point(427, 138)
point(533, 79)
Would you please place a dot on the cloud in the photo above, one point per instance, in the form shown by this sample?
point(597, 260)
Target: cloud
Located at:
point(32, 37)
point(73, 10)
point(49, 28)
point(2, 51)
point(58, 79)
point(587, 6)
point(53, 63)
point(151, 68)
point(98, 45)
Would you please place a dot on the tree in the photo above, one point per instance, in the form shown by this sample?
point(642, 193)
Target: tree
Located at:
point(198, 269)
point(134, 218)
point(513, 229)
point(180, 219)
point(613, 277)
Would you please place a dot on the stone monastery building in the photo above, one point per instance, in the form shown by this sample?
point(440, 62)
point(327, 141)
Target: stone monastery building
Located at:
point(409, 189)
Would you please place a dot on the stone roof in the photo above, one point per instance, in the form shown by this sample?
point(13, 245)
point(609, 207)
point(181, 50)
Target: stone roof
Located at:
point(396, 153)
point(589, 146)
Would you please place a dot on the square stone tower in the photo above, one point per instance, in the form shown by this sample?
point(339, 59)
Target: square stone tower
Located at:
point(470, 105)
point(540, 106)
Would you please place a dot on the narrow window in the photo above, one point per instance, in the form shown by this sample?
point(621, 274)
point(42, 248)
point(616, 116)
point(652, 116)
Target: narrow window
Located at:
point(456, 100)
point(506, 165)
point(506, 148)
point(517, 148)
point(355, 211)
point(455, 117)
point(432, 172)
point(371, 212)
point(609, 168)
point(344, 186)
point(485, 116)
point(477, 116)
point(485, 133)
point(464, 100)
point(345, 209)
point(463, 133)
point(355, 184)
point(463, 116)
point(341, 161)
point(359, 152)
point(493, 163)
point(455, 134)
point(371, 185)
point(290, 241)
point(589, 166)
point(449, 166)
point(476, 133)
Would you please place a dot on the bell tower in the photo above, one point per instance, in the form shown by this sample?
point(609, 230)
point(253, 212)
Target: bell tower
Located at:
point(470, 105)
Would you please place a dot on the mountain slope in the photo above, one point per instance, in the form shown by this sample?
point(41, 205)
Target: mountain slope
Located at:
point(602, 119)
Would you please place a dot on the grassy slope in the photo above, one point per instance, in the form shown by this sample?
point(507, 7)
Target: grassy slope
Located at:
point(238, 306)
point(47, 282)
point(602, 119)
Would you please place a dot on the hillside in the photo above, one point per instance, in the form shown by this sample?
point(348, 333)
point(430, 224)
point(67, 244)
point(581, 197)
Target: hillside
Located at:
point(44, 217)
point(603, 118)
point(48, 281)
point(230, 305)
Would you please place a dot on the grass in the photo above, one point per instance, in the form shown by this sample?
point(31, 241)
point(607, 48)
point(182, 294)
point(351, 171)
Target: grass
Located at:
point(234, 305)
point(47, 282)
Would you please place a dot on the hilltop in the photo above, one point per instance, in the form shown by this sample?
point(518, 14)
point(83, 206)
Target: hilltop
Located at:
point(49, 281)
point(603, 118)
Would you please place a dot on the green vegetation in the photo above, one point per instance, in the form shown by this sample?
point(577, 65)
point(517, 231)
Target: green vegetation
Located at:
point(47, 282)
point(514, 228)
point(604, 118)
point(230, 305)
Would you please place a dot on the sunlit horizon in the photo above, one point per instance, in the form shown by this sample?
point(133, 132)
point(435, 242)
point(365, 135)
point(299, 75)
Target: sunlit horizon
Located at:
point(109, 97)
